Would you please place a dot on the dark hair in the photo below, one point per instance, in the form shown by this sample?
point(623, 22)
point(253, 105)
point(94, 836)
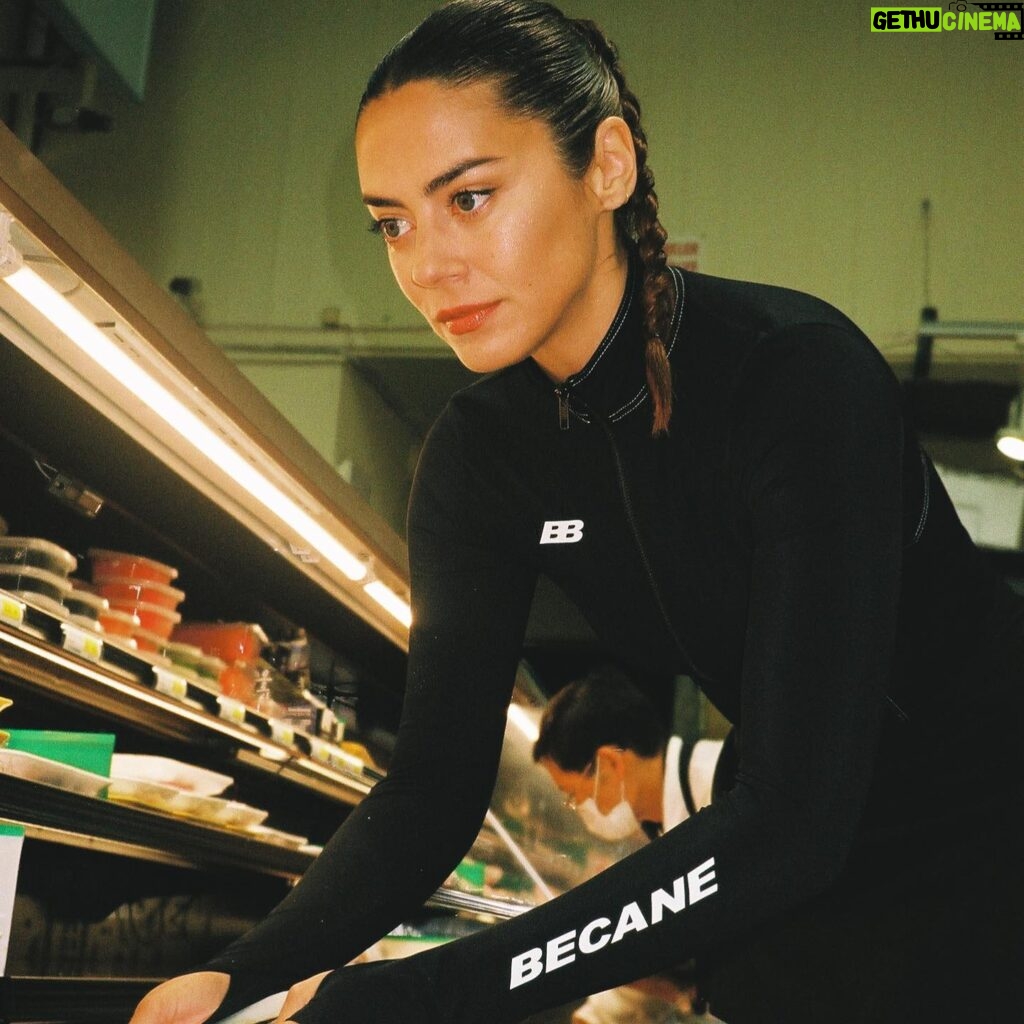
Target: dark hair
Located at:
point(565, 72)
point(602, 708)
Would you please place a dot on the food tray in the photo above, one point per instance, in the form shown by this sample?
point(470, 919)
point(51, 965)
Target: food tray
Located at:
point(147, 794)
point(166, 771)
point(39, 554)
point(23, 765)
point(236, 815)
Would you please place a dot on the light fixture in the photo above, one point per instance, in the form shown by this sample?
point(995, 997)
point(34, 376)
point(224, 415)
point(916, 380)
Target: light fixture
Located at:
point(119, 357)
point(390, 601)
point(1010, 439)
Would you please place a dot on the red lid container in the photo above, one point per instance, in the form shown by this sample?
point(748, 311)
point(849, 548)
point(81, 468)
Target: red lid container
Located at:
point(108, 565)
point(229, 641)
point(152, 617)
point(125, 588)
point(118, 623)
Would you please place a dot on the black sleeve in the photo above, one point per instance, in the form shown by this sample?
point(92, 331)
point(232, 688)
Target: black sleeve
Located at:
point(470, 596)
point(817, 449)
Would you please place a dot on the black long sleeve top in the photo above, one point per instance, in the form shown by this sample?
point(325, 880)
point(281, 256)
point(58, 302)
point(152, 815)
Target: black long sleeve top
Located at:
point(788, 544)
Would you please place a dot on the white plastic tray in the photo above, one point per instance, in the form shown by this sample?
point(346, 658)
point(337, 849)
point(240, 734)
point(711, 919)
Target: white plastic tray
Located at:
point(34, 768)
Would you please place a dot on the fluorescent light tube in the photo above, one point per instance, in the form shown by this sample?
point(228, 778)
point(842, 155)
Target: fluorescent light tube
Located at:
point(112, 358)
point(389, 601)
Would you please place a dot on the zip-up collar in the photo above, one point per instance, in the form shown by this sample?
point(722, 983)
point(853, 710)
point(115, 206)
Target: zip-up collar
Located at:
point(613, 383)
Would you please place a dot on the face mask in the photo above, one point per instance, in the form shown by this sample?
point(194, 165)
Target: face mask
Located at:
point(619, 823)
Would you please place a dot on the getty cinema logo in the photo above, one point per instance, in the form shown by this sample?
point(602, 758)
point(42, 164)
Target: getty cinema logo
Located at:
point(1004, 20)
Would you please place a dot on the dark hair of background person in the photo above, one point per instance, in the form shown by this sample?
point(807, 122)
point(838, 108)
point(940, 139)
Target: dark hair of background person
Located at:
point(566, 73)
point(602, 708)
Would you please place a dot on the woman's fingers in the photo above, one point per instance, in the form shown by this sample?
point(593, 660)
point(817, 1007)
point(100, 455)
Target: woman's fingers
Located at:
point(187, 999)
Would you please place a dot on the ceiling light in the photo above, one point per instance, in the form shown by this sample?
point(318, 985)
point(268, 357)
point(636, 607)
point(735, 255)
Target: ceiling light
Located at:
point(1010, 439)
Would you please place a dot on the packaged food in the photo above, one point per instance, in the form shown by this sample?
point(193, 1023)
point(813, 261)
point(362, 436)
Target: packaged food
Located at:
point(39, 554)
point(140, 591)
point(119, 623)
point(85, 607)
point(108, 565)
point(146, 640)
point(166, 771)
point(229, 641)
point(28, 580)
point(151, 617)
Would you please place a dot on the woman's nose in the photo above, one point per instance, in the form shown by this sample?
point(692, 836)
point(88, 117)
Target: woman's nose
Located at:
point(436, 258)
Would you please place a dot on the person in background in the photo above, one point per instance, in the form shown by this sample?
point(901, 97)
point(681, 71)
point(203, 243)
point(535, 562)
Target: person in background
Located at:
point(609, 751)
point(721, 477)
point(605, 746)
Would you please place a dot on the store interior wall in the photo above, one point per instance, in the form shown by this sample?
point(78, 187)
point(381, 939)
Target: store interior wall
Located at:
point(795, 144)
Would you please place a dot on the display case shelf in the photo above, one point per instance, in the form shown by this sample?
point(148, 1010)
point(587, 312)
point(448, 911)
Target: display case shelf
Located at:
point(130, 689)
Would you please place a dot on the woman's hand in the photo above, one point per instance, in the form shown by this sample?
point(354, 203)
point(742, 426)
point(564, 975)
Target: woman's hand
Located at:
point(298, 995)
point(187, 999)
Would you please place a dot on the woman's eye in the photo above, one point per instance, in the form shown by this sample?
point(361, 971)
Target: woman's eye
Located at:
point(470, 202)
point(392, 228)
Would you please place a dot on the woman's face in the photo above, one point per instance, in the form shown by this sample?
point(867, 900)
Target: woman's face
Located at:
point(504, 252)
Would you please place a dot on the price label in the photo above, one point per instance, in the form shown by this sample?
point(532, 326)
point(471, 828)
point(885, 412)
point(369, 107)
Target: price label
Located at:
point(282, 732)
point(231, 709)
point(319, 750)
point(81, 642)
point(11, 611)
point(170, 684)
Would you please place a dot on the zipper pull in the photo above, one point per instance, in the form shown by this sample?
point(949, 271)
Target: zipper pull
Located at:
point(563, 408)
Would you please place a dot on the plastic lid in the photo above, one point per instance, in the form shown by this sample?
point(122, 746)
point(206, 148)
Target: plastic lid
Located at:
point(141, 584)
point(145, 608)
point(64, 561)
point(103, 554)
point(10, 571)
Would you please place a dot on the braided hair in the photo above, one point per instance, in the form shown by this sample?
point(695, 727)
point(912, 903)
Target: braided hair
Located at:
point(567, 73)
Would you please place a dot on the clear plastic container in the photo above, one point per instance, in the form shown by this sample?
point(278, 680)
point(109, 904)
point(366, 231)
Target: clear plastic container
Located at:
point(124, 588)
point(151, 617)
point(107, 565)
point(118, 623)
point(38, 554)
point(229, 641)
point(33, 582)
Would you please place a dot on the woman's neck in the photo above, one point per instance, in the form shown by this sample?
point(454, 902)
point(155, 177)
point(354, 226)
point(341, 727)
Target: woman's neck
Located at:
point(560, 361)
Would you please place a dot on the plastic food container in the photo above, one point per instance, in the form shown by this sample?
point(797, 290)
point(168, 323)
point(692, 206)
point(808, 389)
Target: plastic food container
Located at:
point(26, 579)
point(229, 641)
point(118, 623)
point(151, 617)
point(90, 751)
point(184, 656)
point(23, 765)
point(107, 565)
point(146, 640)
point(166, 771)
point(127, 589)
point(85, 608)
point(39, 554)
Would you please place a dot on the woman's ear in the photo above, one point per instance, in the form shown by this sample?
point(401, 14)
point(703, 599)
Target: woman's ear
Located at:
point(613, 761)
point(611, 176)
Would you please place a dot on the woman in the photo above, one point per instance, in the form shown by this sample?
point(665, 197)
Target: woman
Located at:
point(719, 475)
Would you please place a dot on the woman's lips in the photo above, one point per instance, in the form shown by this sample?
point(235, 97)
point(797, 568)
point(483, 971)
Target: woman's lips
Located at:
point(463, 319)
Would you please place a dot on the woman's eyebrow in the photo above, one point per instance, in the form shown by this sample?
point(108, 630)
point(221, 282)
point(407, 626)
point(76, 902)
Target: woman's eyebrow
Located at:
point(444, 178)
